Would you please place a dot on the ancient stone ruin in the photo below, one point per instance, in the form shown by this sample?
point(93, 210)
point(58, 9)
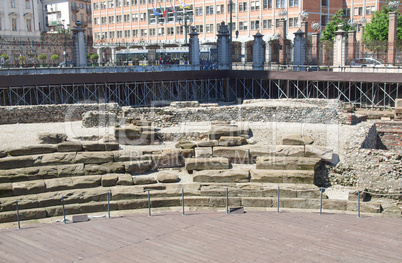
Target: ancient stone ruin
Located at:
point(206, 150)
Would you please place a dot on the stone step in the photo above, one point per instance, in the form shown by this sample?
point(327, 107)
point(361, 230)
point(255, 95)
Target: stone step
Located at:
point(214, 163)
point(282, 176)
point(287, 163)
point(189, 201)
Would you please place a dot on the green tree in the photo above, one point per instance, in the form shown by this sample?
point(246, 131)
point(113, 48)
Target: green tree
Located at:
point(329, 32)
point(94, 56)
point(5, 56)
point(42, 57)
point(54, 57)
point(377, 29)
point(22, 60)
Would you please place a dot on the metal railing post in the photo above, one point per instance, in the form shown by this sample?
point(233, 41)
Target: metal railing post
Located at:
point(320, 200)
point(149, 204)
point(182, 200)
point(108, 204)
point(64, 210)
point(358, 204)
point(277, 210)
point(18, 215)
point(227, 200)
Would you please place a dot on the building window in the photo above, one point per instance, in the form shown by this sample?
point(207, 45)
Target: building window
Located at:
point(81, 5)
point(170, 31)
point(370, 10)
point(324, 20)
point(242, 6)
point(134, 2)
point(144, 32)
point(179, 30)
point(29, 25)
point(120, 34)
point(103, 20)
point(152, 32)
point(126, 33)
point(161, 31)
point(118, 3)
point(255, 25)
point(280, 4)
point(358, 11)
point(135, 32)
point(118, 19)
point(346, 12)
point(28, 4)
point(96, 6)
point(324, 2)
point(111, 34)
point(134, 17)
point(277, 23)
point(209, 10)
point(200, 28)
point(12, 3)
point(209, 28)
point(293, 21)
point(220, 9)
point(143, 17)
point(103, 5)
point(111, 19)
point(242, 26)
point(126, 18)
point(293, 3)
point(126, 2)
point(233, 26)
point(143, 2)
point(267, 4)
point(255, 5)
point(198, 11)
point(267, 23)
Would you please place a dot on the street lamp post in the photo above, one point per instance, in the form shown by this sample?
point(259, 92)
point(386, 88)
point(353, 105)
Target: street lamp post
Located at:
point(230, 31)
point(185, 21)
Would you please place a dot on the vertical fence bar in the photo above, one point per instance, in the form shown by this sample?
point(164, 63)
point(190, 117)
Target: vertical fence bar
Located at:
point(320, 200)
point(108, 204)
point(149, 204)
point(18, 215)
point(64, 210)
point(277, 209)
point(227, 200)
point(182, 200)
point(358, 204)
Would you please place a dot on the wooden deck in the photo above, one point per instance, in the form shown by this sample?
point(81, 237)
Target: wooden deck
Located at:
point(209, 237)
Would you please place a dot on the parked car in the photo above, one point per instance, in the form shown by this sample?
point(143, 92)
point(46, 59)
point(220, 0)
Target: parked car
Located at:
point(67, 64)
point(367, 62)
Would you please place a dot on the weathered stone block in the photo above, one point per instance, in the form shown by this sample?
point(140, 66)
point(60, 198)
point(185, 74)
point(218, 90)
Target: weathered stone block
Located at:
point(256, 202)
point(93, 146)
point(324, 153)
point(130, 155)
point(298, 177)
point(70, 146)
point(16, 162)
point(144, 179)
point(6, 189)
point(28, 187)
point(111, 146)
point(290, 150)
point(99, 119)
point(32, 149)
point(234, 154)
point(109, 180)
point(3, 153)
point(124, 179)
point(215, 163)
point(168, 159)
point(222, 176)
point(70, 170)
point(80, 218)
point(287, 163)
point(296, 139)
point(167, 177)
point(30, 173)
point(58, 184)
point(225, 130)
point(266, 176)
point(186, 153)
point(94, 157)
point(210, 143)
point(138, 167)
point(51, 138)
point(330, 204)
point(368, 207)
point(185, 145)
point(104, 168)
point(55, 158)
point(261, 151)
point(184, 104)
point(232, 141)
point(86, 181)
point(203, 152)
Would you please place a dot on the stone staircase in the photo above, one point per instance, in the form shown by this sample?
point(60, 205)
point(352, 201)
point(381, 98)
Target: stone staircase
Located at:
point(84, 174)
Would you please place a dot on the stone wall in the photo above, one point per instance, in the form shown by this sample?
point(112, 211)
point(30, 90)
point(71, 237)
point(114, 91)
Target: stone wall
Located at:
point(51, 113)
point(390, 134)
point(282, 110)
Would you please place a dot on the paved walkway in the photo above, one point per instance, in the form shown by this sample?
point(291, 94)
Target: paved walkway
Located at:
point(209, 237)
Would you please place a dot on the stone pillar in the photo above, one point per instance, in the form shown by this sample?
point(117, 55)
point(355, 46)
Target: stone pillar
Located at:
point(113, 56)
point(304, 28)
point(282, 42)
point(340, 47)
point(194, 49)
point(258, 52)
point(99, 52)
point(223, 47)
point(392, 37)
point(315, 48)
point(351, 47)
point(299, 48)
point(80, 46)
point(243, 52)
point(267, 53)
